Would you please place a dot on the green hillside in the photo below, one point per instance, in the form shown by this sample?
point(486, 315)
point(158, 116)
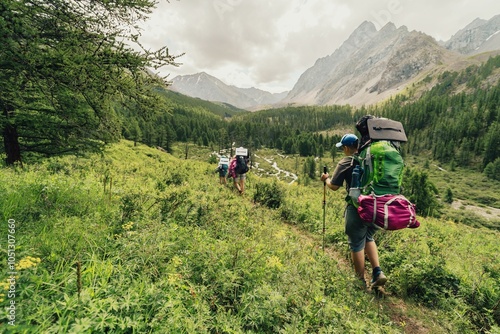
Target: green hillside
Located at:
point(140, 241)
point(221, 109)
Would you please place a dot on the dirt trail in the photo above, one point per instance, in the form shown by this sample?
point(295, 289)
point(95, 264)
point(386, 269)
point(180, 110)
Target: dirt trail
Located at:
point(395, 307)
point(486, 212)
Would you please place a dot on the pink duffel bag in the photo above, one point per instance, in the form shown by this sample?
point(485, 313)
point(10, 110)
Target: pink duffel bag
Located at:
point(390, 212)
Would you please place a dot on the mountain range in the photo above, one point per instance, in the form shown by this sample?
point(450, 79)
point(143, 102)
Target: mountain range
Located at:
point(207, 87)
point(370, 66)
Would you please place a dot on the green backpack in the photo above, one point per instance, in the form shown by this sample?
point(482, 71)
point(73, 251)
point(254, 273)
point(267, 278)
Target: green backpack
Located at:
point(378, 197)
point(379, 160)
point(382, 166)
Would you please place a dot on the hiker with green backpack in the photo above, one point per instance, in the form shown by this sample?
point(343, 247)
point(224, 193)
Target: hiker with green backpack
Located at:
point(359, 233)
point(373, 172)
point(377, 192)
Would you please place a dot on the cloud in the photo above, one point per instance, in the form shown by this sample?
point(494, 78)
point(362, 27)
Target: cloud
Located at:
point(268, 44)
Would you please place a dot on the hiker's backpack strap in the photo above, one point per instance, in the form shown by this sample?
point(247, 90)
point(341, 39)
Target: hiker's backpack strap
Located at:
point(368, 168)
point(354, 160)
point(365, 145)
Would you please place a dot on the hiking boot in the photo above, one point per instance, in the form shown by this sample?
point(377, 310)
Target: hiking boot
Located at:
point(378, 281)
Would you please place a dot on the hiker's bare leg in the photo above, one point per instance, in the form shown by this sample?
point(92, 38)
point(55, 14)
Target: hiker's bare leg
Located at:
point(372, 253)
point(358, 258)
point(242, 185)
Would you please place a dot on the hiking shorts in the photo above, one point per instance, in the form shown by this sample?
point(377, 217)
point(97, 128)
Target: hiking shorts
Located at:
point(222, 172)
point(240, 177)
point(358, 232)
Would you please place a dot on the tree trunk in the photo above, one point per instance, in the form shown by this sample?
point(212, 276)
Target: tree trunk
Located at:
point(11, 144)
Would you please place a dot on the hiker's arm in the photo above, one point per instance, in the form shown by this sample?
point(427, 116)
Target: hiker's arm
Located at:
point(337, 179)
point(326, 179)
point(330, 185)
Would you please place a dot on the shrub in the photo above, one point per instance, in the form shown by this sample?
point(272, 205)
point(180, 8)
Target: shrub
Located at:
point(271, 194)
point(421, 191)
point(426, 281)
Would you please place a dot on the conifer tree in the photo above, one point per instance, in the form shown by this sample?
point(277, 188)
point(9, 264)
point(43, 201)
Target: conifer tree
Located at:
point(64, 65)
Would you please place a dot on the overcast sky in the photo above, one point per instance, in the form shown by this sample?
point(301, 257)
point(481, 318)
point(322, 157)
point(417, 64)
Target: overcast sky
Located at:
point(269, 44)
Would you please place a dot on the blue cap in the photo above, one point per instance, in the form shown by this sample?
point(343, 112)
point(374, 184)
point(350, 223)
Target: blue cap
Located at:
point(347, 140)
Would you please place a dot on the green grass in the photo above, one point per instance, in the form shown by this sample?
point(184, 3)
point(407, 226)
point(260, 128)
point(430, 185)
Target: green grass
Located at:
point(140, 241)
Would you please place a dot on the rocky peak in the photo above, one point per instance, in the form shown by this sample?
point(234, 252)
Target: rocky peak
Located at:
point(358, 38)
point(470, 39)
point(367, 65)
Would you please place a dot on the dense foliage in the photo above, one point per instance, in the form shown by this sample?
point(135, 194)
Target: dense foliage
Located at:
point(292, 129)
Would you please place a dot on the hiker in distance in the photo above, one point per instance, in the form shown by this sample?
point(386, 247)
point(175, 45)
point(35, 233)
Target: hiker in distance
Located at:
point(238, 174)
point(359, 234)
point(222, 169)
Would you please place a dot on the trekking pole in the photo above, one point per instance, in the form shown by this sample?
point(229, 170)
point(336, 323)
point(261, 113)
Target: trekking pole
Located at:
point(324, 207)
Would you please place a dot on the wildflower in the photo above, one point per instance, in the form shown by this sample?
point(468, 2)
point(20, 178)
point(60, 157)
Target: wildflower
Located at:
point(28, 262)
point(173, 279)
point(281, 235)
point(128, 226)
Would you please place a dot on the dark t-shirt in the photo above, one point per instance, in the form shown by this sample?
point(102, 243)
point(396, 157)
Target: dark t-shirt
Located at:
point(343, 172)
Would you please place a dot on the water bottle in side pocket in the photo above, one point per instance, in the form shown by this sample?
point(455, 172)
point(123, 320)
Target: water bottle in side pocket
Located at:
point(355, 188)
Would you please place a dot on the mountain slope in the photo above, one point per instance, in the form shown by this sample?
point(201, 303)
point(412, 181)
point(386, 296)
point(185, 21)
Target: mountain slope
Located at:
point(217, 108)
point(369, 66)
point(207, 87)
point(477, 37)
point(169, 260)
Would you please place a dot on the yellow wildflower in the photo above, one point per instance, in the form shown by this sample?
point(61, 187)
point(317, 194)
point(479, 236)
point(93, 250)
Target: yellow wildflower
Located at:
point(280, 235)
point(27, 262)
point(128, 226)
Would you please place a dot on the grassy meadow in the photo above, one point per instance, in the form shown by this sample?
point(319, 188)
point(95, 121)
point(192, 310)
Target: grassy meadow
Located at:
point(140, 241)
